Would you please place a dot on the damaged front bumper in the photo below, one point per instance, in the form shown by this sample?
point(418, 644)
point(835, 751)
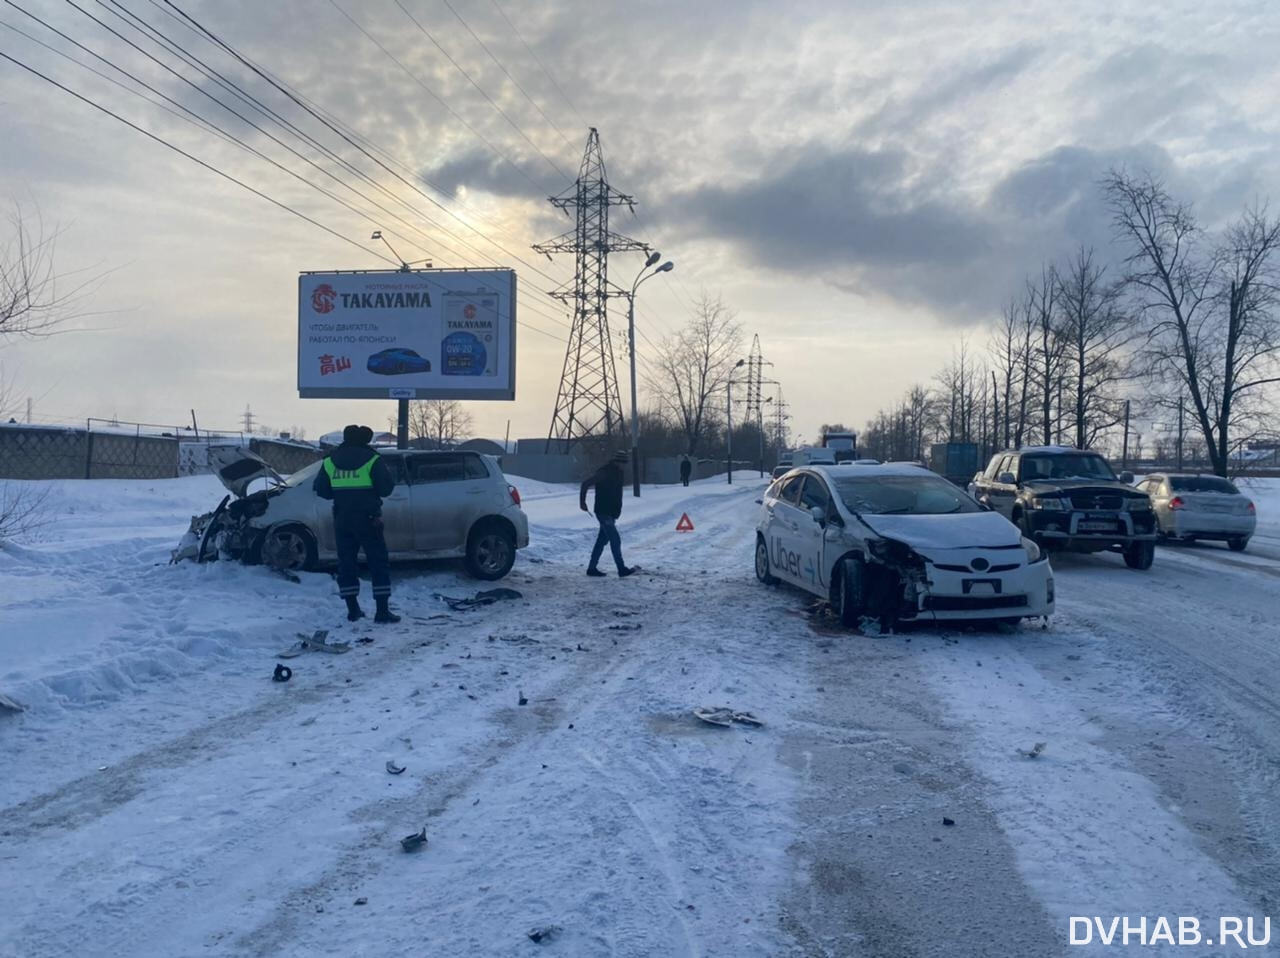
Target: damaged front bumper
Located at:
point(225, 533)
point(995, 592)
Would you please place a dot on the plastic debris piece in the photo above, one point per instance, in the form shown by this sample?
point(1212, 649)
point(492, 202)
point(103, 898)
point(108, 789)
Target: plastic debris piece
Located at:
point(393, 768)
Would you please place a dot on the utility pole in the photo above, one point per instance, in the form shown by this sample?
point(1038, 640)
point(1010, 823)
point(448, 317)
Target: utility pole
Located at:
point(588, 402)
point(1124, 455)
point(729, 418)
point(248, 420)
point(28, 410)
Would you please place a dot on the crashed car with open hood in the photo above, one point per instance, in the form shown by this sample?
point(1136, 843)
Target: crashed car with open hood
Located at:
point(897, 542)
point(445, 504)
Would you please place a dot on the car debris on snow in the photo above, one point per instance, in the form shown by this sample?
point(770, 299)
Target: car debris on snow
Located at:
point(725, 717)
point(9, 705)
point(318, 641)
point(393, 768)
point(1034, 751)
point(415, 841)
point(282, 673)
point(483, 597)
point(543, 933)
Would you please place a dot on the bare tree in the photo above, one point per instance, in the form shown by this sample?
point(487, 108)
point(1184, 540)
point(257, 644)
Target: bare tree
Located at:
point(1208, 310)
point(23, 509)
point(693, 366)
point(1095, 332)
point(1006, 351)
point(34, 298)
point(1045, 355)
point(443, 421)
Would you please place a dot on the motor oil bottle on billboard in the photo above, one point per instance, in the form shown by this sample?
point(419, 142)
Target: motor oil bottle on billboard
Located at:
point(469, 345)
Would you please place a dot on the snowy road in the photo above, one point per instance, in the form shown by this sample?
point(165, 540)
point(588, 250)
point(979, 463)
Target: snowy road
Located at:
point(161, 796)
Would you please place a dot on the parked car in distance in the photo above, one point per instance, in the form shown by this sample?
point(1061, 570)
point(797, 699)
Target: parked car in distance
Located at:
point(1070, 499)
point(446, 504)
point(1191, 506)
point(897, 542)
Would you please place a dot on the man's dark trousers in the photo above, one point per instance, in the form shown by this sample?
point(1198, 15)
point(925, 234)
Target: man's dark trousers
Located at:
point(355, 531)
point(608, 533)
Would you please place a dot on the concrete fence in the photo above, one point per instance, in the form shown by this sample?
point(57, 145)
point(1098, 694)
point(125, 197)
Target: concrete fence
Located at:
point(55, 452)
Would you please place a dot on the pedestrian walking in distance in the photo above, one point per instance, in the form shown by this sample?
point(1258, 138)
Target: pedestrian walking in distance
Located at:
point(686, 469)
point(356, 479)
point(607, 481)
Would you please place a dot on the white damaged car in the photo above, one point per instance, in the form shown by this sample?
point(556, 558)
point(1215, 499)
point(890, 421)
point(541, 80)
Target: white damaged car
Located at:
point(899, 543)
point(446, 504)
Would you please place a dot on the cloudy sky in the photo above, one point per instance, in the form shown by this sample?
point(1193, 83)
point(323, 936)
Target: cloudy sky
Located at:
point(863, 183)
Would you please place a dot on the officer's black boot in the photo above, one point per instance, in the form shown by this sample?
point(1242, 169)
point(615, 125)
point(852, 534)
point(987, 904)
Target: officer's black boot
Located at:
point(354, 612)
point(384, 613)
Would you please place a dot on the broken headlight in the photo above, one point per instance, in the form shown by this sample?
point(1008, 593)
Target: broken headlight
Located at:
point(1050, 502)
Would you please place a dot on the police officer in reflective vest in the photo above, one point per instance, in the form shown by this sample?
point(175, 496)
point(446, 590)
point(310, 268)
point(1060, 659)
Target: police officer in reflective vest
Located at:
point(356, 479)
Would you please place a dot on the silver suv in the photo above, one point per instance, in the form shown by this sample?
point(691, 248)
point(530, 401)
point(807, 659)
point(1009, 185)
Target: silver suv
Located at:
point(448, 504)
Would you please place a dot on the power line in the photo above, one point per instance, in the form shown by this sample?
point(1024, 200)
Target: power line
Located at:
point(350, 141)
point(545, 71)
point(435, 96)
point(507, 73)
point(194, 159)
point(213, 169)
point(515, 126)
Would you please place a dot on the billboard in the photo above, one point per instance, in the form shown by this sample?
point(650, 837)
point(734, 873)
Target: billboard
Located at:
point(417, 334)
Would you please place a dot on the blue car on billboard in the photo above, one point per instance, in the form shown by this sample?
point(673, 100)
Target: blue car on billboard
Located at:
point(398, 361)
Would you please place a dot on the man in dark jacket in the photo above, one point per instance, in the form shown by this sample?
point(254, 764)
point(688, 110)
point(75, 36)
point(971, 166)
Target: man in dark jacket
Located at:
point(608, 481)
point(686, 469)
point(357, 480)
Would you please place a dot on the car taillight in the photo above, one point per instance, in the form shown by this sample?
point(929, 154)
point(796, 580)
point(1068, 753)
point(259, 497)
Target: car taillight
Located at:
point(515, 494)
point(1177, 503)
point(1251, 509)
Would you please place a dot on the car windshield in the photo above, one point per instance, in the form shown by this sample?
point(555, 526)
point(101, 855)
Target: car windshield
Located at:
point(1202, 484)
point(1065, 466)
point(902, 495)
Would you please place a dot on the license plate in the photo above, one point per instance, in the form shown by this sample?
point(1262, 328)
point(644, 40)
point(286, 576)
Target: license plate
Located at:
point(979, 587)
point(1097, 527)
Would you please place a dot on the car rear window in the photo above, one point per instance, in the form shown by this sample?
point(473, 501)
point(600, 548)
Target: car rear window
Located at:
point(1202, 484)
point(438, 468)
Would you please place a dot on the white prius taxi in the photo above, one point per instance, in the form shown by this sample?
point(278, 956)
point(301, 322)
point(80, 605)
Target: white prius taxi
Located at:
point(897, 542)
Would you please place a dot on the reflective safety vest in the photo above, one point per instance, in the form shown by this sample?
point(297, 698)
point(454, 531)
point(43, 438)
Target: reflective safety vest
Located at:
point(361, 478)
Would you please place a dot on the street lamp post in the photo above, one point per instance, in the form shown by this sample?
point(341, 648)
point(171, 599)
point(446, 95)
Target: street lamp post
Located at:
point(631, 341)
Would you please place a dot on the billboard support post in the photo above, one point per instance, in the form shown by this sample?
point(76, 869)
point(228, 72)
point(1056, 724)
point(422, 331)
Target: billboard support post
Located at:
point(402, 424)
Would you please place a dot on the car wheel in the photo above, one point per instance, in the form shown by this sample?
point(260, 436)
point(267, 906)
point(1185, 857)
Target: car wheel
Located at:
point(491, 552)
point(1139, 555)
point(288, 548)
point(762, 563)
point(847, 592)
point(1238, 543)
point(1024, 525)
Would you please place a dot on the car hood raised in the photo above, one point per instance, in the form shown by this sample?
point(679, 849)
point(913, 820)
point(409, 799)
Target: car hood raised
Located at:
point(965, 530)
point(237, 468)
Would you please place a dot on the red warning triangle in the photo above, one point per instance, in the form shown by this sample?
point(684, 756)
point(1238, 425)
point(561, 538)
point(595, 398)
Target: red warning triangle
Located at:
point(685, 524)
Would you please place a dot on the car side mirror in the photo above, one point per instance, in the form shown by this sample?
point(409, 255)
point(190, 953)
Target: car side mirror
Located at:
point(819, 514)
point(1126, 478)
point(1007, 478)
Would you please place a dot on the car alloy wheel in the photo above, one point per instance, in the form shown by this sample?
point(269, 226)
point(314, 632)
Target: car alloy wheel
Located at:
point(762, 563)
point(286, 549)
point(492, 554)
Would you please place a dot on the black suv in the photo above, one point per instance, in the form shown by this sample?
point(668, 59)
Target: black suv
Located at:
point(1070, 499)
